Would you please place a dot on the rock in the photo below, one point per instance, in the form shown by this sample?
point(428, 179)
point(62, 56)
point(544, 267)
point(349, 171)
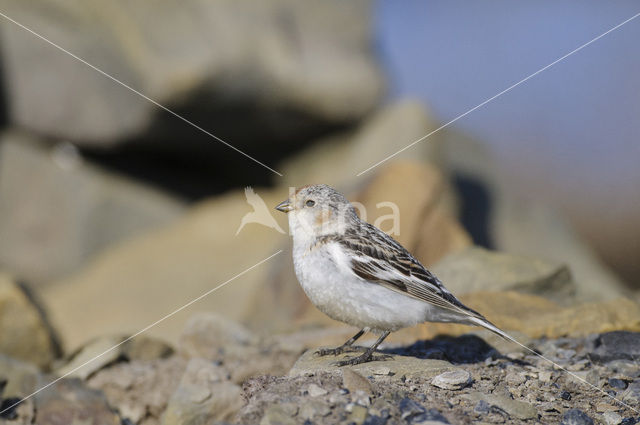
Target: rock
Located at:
point(515, 408)
point(454, 380)
point(618, 384)
point(92, 357)
point(611, 418)
point(291, 68)
point(145, 348)
point(150, 267)
point(357, 415)
point(242, 353)
point(68, 401)
point(576, 417)
point(57, 210)
point(477, 269)
point(20, 378)
point(276, 415)
point(632, 393)
point(316, 391)
point(386, 131)
point(400, 366)
point(140, 389)
point(355, 382)
point(414, 413)
point(24, 333)
point(203, 396)
point(617, 345)
point(313, 408)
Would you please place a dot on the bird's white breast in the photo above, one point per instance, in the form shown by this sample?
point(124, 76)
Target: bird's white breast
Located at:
point(325, 275)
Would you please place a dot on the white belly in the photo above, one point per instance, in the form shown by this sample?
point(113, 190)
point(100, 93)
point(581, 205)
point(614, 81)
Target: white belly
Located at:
point(343, 296)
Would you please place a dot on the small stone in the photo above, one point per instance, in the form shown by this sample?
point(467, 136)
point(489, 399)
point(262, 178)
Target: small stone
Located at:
point(611, 418)
point(313, 408)
point(576, 417)
point(629, 421)
point(454, 380)
point(515, 379)
point(353, 381)
point(358, 415)
point(275, 415)
point(632, 393)
point(604, 407)
point(544, 376)
point(617, 384)
point(565, 395)
point(316, 391)
point(375, 420)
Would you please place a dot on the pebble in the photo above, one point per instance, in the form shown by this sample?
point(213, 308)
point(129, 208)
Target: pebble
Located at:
point(482, 407)
point(313, 408)
point(612, 418)
point(544, 376)
point(453, 380)
point(617, 383)
point(515, 379)
point(316, 391)
point(565, 395)
point(384, 371)
point(576, 417)
point(357, 415)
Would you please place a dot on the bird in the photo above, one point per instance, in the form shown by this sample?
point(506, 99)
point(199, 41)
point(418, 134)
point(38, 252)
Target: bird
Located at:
point(260, 213)
point(355, 273)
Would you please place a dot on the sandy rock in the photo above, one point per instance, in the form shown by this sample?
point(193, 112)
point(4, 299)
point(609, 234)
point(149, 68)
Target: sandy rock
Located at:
point(354, 382)
point(203, 396)
point(165, 269)
point(400, 366)
point(57, 210)
point(24, 334)
point(292, 68)
point(454, 380)
point(476, 269)
point(103, 351)
point(69, 401)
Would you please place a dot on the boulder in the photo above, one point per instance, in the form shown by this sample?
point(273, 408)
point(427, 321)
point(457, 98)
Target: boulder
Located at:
point(57, 210)
point(203, 396)
point(148, 277)
point(270, 71)
point(24, 332)
point(476, 269)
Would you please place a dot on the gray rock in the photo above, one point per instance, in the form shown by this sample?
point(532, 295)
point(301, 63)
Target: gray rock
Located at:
point(56, 213)
point(617, 345)
point(454, 380)
point(414, 413)
point(70, 402)
point(611, 418)
point(515, 408)
point(576, 417)
point(24, 333)
point(283, 67)
point(477, 269)
point(203, 396)
point(316, 391)
point(313, 408)
point(632, 393)
point(400, 366)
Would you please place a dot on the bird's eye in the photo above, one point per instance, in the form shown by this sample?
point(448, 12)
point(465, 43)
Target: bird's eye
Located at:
point(310, 203)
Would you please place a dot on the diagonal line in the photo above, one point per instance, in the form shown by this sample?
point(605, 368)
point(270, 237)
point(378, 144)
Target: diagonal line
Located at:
point(502, 92)
point(142, 331)
point(175, 114)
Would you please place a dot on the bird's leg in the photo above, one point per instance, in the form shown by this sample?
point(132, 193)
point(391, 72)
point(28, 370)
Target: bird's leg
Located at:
point(367, 356)
point(347, 346)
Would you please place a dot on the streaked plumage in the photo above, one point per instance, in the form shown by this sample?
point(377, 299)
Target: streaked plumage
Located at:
point(357, 274)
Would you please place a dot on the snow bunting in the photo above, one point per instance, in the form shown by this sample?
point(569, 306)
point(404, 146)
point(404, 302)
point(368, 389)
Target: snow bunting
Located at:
point(357, 274)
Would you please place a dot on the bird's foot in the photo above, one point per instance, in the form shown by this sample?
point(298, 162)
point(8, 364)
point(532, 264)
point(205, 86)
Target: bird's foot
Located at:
point(339, 350)
point(364, 358)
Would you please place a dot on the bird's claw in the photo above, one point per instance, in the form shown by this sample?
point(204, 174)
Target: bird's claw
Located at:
point(362, 359)
point(336, 351)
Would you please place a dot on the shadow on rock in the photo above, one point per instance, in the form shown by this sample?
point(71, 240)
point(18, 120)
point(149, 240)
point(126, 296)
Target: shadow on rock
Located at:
point(463, 349)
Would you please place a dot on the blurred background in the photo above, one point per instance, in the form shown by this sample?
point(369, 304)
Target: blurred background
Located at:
point(114, 212)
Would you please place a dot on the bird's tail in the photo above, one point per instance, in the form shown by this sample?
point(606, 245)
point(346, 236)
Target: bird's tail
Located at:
point(482, 322)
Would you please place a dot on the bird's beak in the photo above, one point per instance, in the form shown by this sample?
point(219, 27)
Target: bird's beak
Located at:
point(284, 206)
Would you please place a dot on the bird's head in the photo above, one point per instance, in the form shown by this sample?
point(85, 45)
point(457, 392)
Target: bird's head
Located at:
point(318, 210)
